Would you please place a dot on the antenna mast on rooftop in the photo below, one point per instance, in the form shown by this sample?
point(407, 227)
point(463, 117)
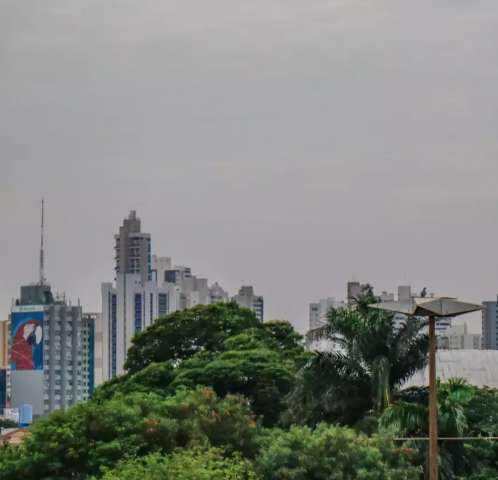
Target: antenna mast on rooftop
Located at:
point(42, 249)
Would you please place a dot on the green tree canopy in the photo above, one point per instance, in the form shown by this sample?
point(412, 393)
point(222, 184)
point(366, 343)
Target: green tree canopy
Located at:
point(90, 436)
point(332, 453)
point(186, 332)
point(463, 411)
point(257, 360)
point(263, 376)
point(196, 464)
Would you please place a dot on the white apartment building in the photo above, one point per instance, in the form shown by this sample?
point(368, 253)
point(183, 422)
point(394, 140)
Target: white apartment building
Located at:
point(217, 294)
point(146, 287)
point(319, 311)
point(247, 298)
point(128, 307)
point(458, 338)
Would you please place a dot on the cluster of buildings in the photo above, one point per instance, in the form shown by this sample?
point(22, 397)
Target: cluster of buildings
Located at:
point(449, 336)
point(53, 353)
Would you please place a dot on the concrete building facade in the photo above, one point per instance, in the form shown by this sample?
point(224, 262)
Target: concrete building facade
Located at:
point(247, 298)
point(128, 307)
point(217, 294)
point(133, 249)
point(319, 311)
point(46, 353)
point(89, 324)
point(490, 325)
point(458, 338)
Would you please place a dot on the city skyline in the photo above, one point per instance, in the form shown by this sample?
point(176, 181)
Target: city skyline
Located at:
point(146, 255)
point(275, 146)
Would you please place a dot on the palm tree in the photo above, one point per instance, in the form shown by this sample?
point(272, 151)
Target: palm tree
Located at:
point(408, 417)
point(389, 353)
point(371, 358)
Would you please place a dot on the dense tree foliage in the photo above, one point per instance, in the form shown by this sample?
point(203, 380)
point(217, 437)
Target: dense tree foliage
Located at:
point(195, 464)
point(183, 333)
point(211, 393)
point(332, 453)
point(463, 411)
point(91, 436)
point(254, 359)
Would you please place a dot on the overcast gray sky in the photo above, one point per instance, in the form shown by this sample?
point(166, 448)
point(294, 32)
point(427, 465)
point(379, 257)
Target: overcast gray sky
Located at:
point(289, 144)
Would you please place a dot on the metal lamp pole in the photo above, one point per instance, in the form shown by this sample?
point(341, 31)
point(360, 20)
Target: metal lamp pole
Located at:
point(433, 433)
point(433, 308)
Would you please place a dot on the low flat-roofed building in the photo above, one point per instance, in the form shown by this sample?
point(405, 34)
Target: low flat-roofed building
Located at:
point(477, 367)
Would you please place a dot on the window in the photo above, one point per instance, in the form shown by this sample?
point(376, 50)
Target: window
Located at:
point(138, 312)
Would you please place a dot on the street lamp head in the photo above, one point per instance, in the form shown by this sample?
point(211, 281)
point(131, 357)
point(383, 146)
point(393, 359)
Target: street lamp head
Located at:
point(429, 307)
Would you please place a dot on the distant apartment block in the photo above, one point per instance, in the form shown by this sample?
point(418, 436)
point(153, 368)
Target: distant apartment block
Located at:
point(458, 338)
point(318, 311)
point(247, 298)
point(490, 325)
point(90, 347)
point(217, 294)
point(46, 351)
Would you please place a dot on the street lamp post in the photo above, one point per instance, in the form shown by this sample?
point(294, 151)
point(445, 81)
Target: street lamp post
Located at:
point(433, 446)
point(433, 308)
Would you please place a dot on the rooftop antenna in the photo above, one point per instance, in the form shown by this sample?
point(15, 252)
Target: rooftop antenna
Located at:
point(42, 249)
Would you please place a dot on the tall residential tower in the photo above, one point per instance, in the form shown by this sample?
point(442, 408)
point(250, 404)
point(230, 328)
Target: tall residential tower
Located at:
point(48, 359)
point(490, 325)
point(133, 249)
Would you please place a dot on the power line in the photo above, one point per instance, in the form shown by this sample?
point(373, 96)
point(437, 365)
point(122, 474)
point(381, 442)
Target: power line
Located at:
point(405, 439)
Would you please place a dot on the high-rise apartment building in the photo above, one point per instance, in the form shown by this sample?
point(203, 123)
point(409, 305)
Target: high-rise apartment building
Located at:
point(217, 294)
point(193, 291)
point(128, 307)
point(46, 356)
point(247, 298)
point(89, 347)
point(490, 325)
point(146, 287)
point(133, 249)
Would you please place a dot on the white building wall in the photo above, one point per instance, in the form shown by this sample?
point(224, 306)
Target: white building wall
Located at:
point(159, 266)
point(128, 286)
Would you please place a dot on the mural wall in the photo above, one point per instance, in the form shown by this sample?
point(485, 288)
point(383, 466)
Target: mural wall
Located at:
point(27, 341)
